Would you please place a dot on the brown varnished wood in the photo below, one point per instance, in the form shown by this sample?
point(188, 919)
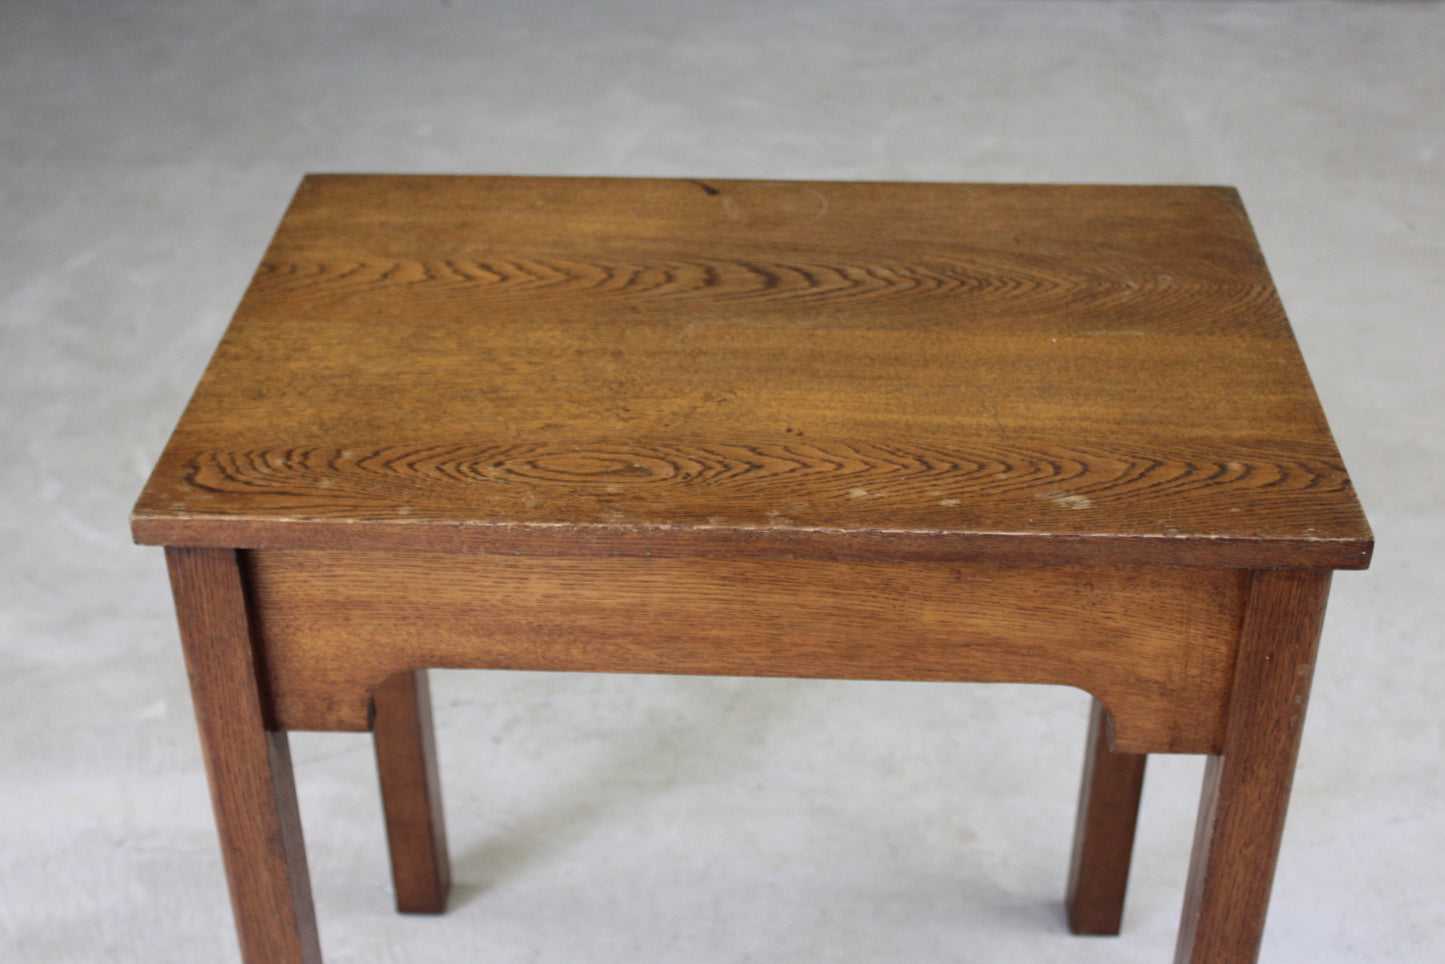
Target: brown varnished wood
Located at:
point(712, 498)
point(1246, 788)
point(249, 764)
point(411, 793)
point(1065, 374)
point(1023, 433)
point(1104, 831)
point(1155, 645)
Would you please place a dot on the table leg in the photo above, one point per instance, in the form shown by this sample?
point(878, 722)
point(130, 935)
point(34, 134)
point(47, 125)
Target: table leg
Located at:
point(411, 793)
point(248, 763)
point(1246, 788)
point(1104, 831)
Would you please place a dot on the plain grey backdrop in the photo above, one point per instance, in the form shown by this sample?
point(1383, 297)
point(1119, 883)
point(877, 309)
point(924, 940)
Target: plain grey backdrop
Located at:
point(146, 151)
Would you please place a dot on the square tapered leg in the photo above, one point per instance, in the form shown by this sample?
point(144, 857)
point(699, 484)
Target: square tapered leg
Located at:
point(247, 760)
point(1246, 788)
point(411, 793)
point(1104, 833)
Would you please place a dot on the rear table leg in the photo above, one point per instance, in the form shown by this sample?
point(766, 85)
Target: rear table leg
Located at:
point(1104, 832)
point(411, 793)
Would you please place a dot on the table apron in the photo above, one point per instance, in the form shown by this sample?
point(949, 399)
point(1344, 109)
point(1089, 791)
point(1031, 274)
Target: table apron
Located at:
point(1156, 646)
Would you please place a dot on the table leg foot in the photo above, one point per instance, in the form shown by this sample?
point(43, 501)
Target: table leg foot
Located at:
point(411, 793)
point(1104, 831)
point(1246, 789)
point(248, 763)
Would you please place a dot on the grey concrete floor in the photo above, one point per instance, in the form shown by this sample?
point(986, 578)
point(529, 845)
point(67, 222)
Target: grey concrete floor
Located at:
point(146, 150)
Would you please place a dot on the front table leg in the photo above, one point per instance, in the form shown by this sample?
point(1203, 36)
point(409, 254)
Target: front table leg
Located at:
point(248, 763)
point(1246, 788)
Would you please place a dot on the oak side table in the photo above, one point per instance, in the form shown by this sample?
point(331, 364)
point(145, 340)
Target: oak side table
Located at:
point(1023, 433)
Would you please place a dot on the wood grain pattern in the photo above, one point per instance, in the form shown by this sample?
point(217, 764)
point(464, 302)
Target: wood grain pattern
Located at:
point(1104, 831)
point(791, 496)
point(406, 762)
point(1156, 646)
point(248, 763)
point(633, 367)
point(1247, 786)
point(837, 292)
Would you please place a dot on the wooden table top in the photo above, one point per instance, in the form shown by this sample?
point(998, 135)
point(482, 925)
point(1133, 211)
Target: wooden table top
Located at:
point(1027, 373)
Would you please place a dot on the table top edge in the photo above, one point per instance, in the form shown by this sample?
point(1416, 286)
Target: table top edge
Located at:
point(1235, 552)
